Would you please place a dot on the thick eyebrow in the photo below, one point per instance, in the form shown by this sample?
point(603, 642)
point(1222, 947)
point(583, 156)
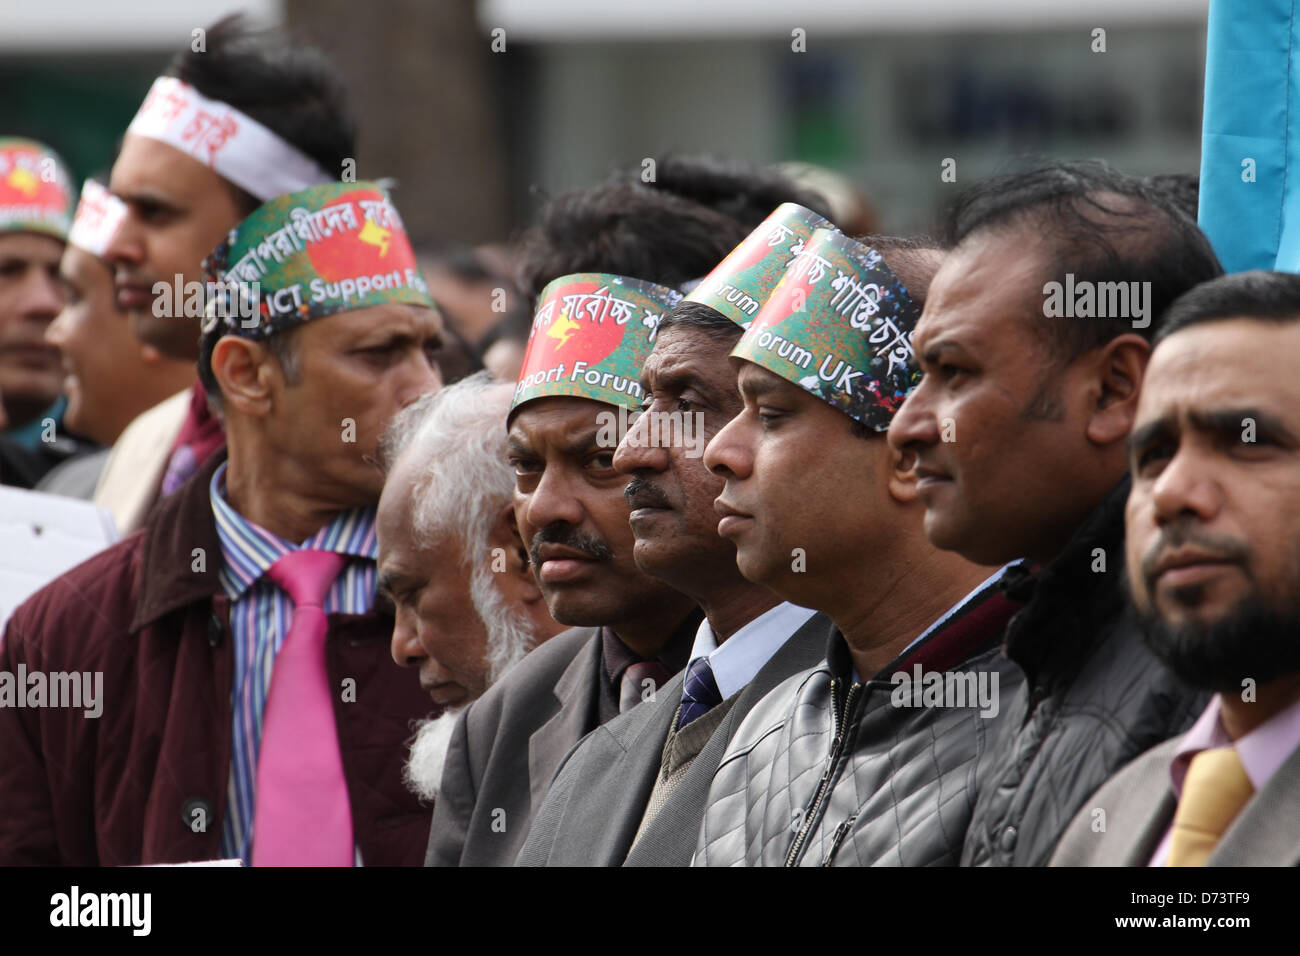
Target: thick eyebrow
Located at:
point(934, 351)
point(579, 444)
point(677, 379)
point(144, 196)
point(1228, 421)
point(754, 387)
point(1146, 435)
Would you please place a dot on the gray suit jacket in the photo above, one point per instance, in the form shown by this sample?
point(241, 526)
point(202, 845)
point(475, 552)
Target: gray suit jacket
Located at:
point(1139, 803)
point(593, 810)
point(506, 746)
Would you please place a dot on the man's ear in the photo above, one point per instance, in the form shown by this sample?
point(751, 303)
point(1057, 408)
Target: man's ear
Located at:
point(243, 368)
point(902, 474)
point(517, 582)
point(1116, 383)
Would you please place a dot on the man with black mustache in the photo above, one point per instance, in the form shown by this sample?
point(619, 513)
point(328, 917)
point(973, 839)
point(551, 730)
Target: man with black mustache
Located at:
point(630, 632)
point(1214, 572)
point(634, 791)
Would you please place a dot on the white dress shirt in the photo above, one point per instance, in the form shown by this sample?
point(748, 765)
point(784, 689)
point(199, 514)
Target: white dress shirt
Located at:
point(743, 654)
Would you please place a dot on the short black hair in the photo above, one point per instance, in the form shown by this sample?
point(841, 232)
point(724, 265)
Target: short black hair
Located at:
point(288, 87)
point(734, 188)
point(1260, 294)
point(669, 231)
point(1183, 188)
point(701, 318)
point(1099, 224)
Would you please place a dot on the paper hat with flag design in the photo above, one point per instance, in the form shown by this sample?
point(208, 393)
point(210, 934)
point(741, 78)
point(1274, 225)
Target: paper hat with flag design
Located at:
point(839, 325)
point(35, 189)
point(740, 284)
point(98, 216)
point(591, 335)
point(325, 249)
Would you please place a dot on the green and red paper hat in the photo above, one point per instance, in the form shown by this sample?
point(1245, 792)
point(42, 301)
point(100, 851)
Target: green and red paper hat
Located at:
point(839, 325)
point(35, 189)
point(591, 334)
point(740, 284)
point(330, 248)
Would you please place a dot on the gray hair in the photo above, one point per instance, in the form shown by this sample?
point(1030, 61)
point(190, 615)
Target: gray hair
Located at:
point(457, 440)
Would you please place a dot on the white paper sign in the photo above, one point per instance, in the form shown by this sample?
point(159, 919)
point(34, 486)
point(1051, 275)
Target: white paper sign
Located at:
point(41, 536)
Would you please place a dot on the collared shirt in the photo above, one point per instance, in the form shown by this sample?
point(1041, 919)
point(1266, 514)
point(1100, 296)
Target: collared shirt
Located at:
point(1262, 753)
point(260, 615)
point(617, 657)
point(741, 656)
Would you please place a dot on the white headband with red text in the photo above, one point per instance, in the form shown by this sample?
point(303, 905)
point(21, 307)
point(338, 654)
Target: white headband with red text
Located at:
point(98, 215)
point(234, 146)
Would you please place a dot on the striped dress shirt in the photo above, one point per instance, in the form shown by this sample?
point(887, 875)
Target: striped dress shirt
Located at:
point(260, 615)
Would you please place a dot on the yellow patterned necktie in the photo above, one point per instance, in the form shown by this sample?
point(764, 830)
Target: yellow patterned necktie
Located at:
point(1214, 791)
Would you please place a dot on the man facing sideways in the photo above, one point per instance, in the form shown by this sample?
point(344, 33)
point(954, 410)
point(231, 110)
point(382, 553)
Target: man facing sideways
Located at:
point(627, 626)
point(633, 791)
point(451, 560)
point(111, 376)
point(35, 213)
point(248, 118)
point(569, 507)
point(857, 760)
point(1033, 344)
point(1214, 571)
point(249, 707)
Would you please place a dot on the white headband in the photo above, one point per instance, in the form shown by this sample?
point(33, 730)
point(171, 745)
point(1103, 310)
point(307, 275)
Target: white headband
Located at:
point(234, 146)
point(98, 215)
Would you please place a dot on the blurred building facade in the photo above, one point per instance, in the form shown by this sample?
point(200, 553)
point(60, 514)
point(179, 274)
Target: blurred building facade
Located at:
point(483, 110)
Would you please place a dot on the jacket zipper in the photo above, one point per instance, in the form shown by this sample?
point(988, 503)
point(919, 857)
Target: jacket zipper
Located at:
point(841, 832)
point(823, 786)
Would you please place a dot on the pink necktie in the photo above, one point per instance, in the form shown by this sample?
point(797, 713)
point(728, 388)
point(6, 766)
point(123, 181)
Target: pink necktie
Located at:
point(301, 816)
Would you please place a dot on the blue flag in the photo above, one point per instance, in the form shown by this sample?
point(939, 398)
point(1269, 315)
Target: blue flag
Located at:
point(1250, 142)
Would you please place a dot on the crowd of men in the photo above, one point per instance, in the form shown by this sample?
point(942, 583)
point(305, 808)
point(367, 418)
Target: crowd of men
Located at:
point(754, 543)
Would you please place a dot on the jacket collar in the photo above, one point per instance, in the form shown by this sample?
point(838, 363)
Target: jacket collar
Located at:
point(1084, 580)
point(977, 625)
point(181, 551)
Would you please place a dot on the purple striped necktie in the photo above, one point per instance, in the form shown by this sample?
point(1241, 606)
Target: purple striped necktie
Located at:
point(699, 693)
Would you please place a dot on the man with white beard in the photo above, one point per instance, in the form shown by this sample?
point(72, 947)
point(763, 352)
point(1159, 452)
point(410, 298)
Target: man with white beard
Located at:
point(451, 560)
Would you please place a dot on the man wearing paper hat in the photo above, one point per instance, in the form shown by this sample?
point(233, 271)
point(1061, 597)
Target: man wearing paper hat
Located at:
point(824, 513)
point(504, 753)
point(633, 791)
point(248, 118)
point(590, 337)
point(35, 212)
point(111, 376)
point(252, 709)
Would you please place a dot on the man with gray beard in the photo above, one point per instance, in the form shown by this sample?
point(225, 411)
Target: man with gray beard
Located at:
point(451, 560)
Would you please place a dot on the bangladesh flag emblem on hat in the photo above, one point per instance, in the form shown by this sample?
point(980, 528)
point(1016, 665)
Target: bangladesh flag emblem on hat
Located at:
point(35, 189)
point(590, 336)
point(740, 284)
point(839, 325)
point(325, 249)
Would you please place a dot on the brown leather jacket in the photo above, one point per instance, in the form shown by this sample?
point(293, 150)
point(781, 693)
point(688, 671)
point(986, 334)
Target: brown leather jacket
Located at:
point(145, 782)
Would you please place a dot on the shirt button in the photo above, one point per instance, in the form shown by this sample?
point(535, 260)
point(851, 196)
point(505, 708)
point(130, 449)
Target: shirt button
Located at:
point(1008, 842)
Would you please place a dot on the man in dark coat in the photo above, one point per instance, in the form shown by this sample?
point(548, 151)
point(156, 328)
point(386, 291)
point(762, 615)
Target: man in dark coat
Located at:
point(1033, 343)
point(187, 624)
